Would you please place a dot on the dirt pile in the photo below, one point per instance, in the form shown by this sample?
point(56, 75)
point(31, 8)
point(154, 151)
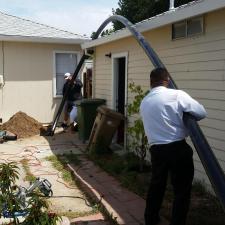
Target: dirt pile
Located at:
point(22, 125)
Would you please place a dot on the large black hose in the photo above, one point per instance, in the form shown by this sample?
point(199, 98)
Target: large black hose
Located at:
point(51, 129)
point(206, 155)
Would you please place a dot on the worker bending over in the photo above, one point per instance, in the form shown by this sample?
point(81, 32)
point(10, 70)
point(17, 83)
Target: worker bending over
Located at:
point(70, 108)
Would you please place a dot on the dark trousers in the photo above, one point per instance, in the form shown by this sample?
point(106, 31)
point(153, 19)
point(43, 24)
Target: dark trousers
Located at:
point(174, 158)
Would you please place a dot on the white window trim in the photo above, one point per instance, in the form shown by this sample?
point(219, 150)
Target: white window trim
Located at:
point(78, 53)
point(114, 57)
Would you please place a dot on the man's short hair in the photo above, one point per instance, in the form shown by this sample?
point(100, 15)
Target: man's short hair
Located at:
point(158, 75)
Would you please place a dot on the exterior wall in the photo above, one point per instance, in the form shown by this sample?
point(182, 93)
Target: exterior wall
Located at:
point(197, 65)
point(1, 73)
point(28, 75)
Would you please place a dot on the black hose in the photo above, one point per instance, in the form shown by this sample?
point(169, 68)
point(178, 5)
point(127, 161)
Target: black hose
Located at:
point(205, 153)
point(51, 130)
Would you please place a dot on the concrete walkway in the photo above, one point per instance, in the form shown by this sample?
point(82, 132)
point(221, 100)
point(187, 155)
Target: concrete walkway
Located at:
point(66, 200)
point(124, 206)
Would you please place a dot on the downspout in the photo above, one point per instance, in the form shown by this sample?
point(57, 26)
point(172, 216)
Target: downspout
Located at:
point(3, 80)
point(93, 75)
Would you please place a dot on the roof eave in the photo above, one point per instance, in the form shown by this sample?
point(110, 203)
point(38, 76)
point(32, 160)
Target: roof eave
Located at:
point(42, 39)
point(169, 17)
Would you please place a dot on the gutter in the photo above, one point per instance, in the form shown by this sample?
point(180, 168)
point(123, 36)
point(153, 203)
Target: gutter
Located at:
point(191, 9)
point(18, 38)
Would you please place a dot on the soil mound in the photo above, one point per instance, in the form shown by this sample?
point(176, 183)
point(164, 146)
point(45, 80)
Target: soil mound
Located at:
point(22, 125)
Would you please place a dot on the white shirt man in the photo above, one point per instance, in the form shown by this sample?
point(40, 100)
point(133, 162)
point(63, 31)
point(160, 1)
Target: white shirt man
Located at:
point(162, 114)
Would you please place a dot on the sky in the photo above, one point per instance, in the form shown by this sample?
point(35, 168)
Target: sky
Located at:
point(78, 16)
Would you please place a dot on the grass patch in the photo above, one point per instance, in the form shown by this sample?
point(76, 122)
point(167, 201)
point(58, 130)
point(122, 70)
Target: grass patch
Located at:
point(126, 169)
point(59, 162)
point(76, 214)
point(205, 207)
point(29, 176)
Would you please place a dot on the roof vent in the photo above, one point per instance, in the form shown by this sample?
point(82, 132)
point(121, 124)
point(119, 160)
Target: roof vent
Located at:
point(171, 5)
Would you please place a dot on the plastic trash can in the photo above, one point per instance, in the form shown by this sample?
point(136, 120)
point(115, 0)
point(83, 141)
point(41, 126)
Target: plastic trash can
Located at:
point(104, 128)
point(86, 113)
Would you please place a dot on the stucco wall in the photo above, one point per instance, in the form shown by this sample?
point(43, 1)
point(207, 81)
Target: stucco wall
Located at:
point(28, 75)
point(197, 65)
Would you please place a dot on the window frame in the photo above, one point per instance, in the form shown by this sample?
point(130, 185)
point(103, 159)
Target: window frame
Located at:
point(201, 17)
point(202, 23)
point(185, 23)
point(78, 53)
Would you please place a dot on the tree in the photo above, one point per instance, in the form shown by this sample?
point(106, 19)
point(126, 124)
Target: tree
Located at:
point(104, 32)
point(138, 10)
point(182, 2)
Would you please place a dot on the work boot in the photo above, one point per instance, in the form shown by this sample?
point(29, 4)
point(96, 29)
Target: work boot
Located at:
point(64, 126)
point(74, 127)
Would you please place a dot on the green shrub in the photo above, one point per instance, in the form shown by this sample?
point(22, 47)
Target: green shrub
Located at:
point(37, 209)
point(137, 141)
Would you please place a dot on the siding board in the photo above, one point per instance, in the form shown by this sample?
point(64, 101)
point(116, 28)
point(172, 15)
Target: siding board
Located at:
point(196, 64)
point(203, 85)
point(214, 123)
point(206, 94)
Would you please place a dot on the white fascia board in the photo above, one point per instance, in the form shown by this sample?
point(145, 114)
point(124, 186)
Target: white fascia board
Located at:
point(42, 39)
point(186, 11)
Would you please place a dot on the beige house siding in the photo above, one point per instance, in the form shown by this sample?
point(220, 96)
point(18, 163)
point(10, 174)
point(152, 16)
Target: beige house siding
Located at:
point(28, 75)
point(197, 65)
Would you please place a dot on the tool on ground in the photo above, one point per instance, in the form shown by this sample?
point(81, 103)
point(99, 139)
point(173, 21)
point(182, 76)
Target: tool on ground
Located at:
point(7, 136)
point(23, 194)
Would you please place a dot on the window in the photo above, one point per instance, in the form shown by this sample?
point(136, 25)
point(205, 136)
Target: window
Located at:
point(179, 30)
point(187, 28)
point(195, 26)
point(64, 62)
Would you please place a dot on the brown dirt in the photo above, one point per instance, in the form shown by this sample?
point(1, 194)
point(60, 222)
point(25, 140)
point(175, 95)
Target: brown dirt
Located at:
point(22, 125)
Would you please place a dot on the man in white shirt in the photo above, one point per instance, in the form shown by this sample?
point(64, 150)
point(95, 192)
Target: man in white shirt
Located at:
point(162, 114)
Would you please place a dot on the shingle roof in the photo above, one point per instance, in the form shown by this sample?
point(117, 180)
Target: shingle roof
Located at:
point(12, 26)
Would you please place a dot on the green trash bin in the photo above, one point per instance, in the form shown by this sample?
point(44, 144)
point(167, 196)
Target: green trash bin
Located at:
point(86, 113)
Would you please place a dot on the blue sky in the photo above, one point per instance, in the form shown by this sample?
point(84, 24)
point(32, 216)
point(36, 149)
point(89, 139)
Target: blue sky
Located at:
point(77, 16)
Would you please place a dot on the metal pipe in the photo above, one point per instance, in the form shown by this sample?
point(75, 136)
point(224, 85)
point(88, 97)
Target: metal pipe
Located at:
point(206, 155)
point(171, 5)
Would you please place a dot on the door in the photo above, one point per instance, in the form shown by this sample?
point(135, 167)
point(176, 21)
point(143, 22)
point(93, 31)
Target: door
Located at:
point(119, 92)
